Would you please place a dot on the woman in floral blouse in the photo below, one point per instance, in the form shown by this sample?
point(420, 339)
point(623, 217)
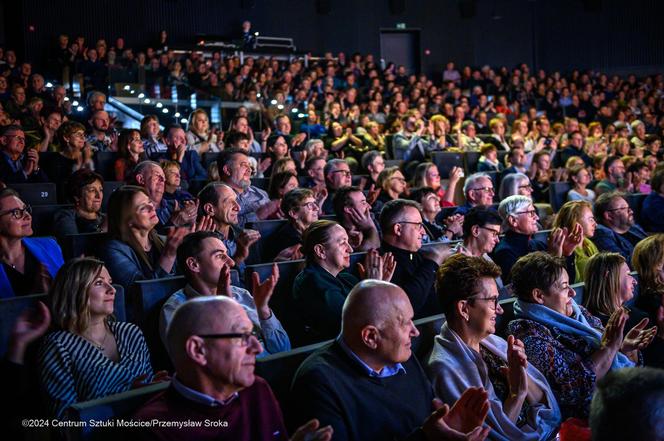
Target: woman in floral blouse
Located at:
point(562, 339)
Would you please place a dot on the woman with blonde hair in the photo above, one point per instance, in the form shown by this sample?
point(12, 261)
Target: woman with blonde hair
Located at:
point(392, 184)
point(439, 132)
point(608, 286)
point(426, 175)
point(89, 355)
point(648, 261)
point(571, 214)
point(199, 136)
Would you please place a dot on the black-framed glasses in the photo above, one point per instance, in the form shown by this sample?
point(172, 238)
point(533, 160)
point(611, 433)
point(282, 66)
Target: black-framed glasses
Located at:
point(344, 172)
point(494, 233)
point(489, 189)
point(418, 224)
point(18, 213)
point(531, 213)
point(628, 208)
point(491, 300)
point(310, 205)
point(245, 337)
point(528, 186)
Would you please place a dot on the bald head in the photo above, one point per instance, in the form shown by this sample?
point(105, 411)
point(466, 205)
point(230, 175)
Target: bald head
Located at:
point(371, 303)
point(200, 315)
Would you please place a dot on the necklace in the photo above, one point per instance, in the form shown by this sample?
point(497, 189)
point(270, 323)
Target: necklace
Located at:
point(99, 346)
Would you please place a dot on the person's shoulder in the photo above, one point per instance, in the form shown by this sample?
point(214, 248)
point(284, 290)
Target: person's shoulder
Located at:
point(522, 327)
point(64, 214)
point(321, 365)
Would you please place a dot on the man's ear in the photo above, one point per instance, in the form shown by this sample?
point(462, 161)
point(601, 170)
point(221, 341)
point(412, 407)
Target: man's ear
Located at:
point(396, 229)
point(475, 230)
point(195, 349)
point(511, 221)
point(192, 264)
point(208, 209)
point(370, 336)
point(139, 178)
point(226, 169)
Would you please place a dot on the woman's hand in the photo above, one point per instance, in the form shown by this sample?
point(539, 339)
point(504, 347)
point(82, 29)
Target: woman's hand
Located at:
point(516, 367)
point(373, 266)
point(29, 326)
point(638, 337)
point(613, 332)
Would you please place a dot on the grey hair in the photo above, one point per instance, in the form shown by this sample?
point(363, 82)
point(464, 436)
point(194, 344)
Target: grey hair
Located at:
point(332, 163)
point(512, 204)
point(94, 95)
point(142, 166)
point(510, 184)
point(309, 146)
point(472, 179)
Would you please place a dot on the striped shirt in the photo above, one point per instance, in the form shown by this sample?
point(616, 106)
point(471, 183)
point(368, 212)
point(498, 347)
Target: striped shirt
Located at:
point(73, 370)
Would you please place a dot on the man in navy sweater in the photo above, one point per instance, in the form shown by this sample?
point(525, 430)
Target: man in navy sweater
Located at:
point(368, 385)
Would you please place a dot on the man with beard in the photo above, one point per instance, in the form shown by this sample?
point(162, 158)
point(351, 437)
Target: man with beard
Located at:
point(235, 171)
point(616, 230)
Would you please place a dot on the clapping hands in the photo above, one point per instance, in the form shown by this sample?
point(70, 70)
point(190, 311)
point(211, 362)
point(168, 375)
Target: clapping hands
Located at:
point(377, 266)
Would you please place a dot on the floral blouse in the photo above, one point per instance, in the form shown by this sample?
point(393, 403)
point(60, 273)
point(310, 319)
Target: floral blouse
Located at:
point(565, 361)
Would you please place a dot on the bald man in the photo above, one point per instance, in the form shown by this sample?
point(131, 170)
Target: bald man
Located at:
point(213, 347)
point(368, 385)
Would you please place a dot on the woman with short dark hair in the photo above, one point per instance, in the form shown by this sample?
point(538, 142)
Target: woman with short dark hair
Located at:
point(467, 353)
point(85, 189)
point(562, 339)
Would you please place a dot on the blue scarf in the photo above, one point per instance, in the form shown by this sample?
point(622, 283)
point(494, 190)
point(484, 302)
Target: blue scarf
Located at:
point(576, 325)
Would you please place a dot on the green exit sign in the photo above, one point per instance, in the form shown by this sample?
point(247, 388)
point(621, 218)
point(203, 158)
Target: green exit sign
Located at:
point(401, 25)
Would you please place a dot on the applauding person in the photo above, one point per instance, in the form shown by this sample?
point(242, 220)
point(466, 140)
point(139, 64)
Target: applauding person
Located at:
point(206, 265)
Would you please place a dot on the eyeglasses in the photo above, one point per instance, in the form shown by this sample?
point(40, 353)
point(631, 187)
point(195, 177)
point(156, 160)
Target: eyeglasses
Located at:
point(494, 233)
point(344, 172)
point(531, 213)
point(528, 186)
point(310, 205)
point(19, 138)
point(398, 179)
point(418, 224)
point(18, 213)
point(245, 337)
point(493, 300)
point(489, 189)
point(628, 208)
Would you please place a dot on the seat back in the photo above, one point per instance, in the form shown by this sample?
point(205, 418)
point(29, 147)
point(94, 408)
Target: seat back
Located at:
point(113, 407)
point(42, 218)
point(75, 245)
point(579, 291)
point(109, 187)
point(105, 164)
point(38, 193)
point(471, 159)
point(262, 183)
point(445, 161)
point(11, 308)
point(558, 194)
point(208, 158)
point(505, 318)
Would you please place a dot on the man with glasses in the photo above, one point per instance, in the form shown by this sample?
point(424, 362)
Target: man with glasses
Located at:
point(614, 171)
point(215, 392)
point(478, 190)
point(403, 230)
point(616, 230)
point(18, 165)
point(520, 217)
point(337, 175)
point(27, 264)
point(206, 264)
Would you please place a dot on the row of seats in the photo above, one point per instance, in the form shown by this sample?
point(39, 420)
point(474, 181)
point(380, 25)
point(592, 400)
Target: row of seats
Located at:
point(278, 369)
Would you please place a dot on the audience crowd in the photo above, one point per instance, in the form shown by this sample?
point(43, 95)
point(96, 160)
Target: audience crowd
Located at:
point(376, 197)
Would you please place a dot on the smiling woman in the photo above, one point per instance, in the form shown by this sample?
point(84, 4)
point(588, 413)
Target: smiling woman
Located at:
point(89, 355)
point(85, 190)
point(468, 354)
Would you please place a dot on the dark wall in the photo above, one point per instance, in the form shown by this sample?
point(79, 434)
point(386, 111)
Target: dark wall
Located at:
point(557, 34)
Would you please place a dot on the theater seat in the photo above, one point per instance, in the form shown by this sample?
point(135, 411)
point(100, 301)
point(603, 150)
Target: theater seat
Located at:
point(445, 161)
point(105, 164)
point(41, 193)
point(117, 406)
point(42, 218)
point(75, 245)
point(558, 194)
point(11, 308)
